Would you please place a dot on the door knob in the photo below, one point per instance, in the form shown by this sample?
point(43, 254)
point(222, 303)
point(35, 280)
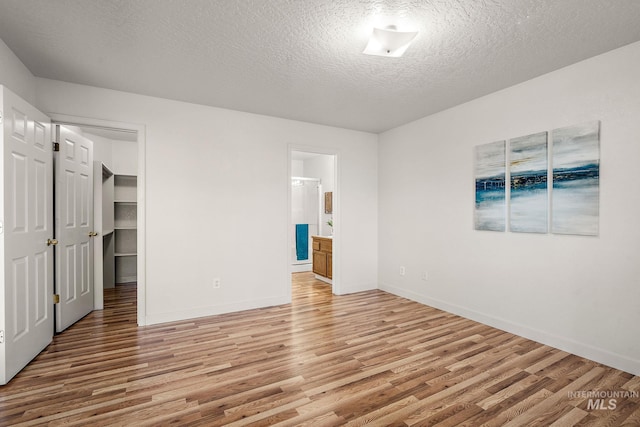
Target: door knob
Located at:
point(52, 242)
point(92, 234)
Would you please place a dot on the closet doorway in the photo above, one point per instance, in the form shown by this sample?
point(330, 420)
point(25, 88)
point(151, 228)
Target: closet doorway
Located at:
point(119, 205)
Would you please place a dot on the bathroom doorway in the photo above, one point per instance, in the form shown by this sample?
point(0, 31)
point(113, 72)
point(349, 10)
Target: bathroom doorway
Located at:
point(313, 211)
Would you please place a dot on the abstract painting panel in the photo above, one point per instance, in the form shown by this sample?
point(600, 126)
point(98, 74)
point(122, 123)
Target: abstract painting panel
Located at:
point(528, 167)
point(576, 180)
point(490, 173)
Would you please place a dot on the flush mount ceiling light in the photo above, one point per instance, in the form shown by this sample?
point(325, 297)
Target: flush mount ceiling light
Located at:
point(389, 41)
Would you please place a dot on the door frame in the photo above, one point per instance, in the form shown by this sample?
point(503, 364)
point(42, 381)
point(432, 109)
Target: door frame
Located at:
point(336, 287)
point(65, 119)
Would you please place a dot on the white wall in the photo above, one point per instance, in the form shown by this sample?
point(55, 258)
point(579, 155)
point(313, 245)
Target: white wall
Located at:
point(580, 294)
point(216, 199)
point(121, 157)
point(101, 149)
point(297, 168)
point(322, 167)
point(15, 76)
point(125, 157)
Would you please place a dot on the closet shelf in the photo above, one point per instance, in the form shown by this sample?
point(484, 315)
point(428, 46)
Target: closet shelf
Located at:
point(119, 254)
point(125, 225)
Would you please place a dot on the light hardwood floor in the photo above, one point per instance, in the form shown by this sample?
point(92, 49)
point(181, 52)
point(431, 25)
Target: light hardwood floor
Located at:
point(367, 358)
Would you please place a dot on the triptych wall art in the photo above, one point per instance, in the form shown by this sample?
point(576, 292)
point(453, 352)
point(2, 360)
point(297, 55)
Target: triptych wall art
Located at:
point(564, 177)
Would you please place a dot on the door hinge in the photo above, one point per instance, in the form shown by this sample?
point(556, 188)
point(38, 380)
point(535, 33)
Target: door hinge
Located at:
point(56, 299)
point(0, 117)
point(56, 146)
point(1, 336)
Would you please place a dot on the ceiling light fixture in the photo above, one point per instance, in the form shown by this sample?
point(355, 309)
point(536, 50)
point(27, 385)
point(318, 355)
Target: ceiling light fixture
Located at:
point(389, 41)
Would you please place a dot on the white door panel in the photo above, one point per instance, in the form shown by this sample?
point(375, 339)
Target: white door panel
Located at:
point(74, 226)
point(26, 207)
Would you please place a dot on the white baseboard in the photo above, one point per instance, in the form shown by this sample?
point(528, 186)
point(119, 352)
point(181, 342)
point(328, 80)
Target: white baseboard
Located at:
point(352, 288)
point(569, 345)
point(152, 319)
point(299, 268)
point(126, 279)
point(323, 279)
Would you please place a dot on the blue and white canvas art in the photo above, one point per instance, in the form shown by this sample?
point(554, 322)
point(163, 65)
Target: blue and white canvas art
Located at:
point(490, 175)
point(528, 167)
point(576, 180)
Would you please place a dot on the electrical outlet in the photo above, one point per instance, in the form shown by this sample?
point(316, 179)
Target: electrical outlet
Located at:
point(424, 276)
point(402, 270)
point(216, 283)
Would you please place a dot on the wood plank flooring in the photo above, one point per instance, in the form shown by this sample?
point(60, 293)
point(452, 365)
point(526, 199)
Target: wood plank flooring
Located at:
point(368, 358)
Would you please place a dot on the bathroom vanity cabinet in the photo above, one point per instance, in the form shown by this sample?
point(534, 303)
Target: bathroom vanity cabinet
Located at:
point(323, 256)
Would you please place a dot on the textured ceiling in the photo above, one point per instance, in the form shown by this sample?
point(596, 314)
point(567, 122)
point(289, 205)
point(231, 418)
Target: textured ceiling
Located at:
point(302, 59)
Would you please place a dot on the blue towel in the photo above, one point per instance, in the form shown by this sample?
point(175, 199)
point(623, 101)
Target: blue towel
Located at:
point(302, 241)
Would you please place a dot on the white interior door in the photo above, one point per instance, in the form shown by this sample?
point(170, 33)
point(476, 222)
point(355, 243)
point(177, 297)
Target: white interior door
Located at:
point(74, 227)
point(26, 224)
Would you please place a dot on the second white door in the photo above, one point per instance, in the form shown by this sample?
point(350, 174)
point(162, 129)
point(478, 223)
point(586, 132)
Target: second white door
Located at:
point(74, 227)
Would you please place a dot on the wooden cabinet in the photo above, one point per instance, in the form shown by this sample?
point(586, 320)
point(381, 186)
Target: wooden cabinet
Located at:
point(323, 256)
point(320, 263)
